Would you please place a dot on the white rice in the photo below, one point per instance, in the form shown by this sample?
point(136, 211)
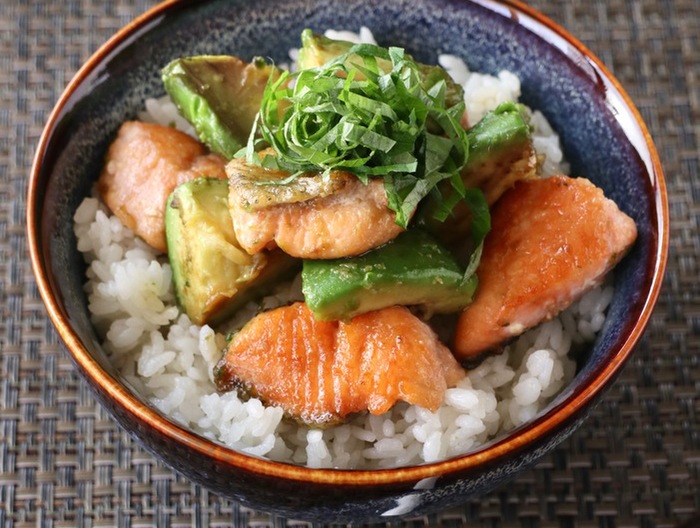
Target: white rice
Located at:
point(169, 361)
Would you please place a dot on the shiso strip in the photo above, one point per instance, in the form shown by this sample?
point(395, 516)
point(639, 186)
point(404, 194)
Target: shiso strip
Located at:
point(351, 115)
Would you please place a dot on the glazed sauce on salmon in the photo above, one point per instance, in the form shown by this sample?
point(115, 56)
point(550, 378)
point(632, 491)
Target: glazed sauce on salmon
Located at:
point(551, 240)
point(346, 220)
point(320, 372)
point(144, 164)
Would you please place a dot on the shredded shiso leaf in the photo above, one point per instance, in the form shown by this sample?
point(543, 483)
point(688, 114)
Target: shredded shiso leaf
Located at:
point(351, 115)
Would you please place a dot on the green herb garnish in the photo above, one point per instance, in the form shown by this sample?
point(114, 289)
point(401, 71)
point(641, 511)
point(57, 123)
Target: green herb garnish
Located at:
point(366, 112)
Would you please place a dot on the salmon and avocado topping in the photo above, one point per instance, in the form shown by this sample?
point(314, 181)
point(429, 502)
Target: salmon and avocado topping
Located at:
point(357, 169)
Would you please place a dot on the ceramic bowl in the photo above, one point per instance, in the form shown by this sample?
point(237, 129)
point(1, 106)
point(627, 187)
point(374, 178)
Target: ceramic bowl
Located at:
point(603, 137)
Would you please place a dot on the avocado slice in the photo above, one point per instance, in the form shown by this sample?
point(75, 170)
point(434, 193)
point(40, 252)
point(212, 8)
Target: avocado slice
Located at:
point(411, 270)
point(500, 153)
point(212, 275)
point(316, 50)
point(220, 95)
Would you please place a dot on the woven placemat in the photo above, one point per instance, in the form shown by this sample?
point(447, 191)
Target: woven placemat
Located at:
point(635, 462)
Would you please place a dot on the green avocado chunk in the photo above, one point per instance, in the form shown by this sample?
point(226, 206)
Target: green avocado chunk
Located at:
point(316, 50)
point(502, 137)
point(212, 274)
point(412, 270)
point(220, 96)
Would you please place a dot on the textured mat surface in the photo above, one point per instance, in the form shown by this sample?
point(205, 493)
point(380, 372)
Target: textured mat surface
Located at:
point(636, 462)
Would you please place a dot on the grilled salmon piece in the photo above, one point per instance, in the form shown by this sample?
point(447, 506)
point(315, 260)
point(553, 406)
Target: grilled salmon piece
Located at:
point(144, 164)
point(551, 240)
point(310, 217)
point(320, 372)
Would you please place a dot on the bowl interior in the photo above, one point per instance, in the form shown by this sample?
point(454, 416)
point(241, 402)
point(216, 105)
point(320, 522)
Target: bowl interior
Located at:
point(600, 135)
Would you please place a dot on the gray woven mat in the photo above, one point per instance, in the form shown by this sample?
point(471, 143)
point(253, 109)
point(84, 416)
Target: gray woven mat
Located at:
point(636, 462)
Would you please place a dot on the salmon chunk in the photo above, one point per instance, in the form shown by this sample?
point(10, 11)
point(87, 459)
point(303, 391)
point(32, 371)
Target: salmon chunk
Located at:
point(551, 240)
point(144, 164)
point(319, 372)
point(312, 217)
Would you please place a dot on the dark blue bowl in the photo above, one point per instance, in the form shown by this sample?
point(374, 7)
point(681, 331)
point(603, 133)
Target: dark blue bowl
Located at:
point(603, 136)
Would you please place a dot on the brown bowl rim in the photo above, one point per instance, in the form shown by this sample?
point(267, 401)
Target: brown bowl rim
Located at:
point(555, 418)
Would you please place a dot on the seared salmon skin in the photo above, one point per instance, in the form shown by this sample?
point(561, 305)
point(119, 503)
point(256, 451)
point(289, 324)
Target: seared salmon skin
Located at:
point(144, 165)
point(320, 372)
point(324, 218)
point(551, 240)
